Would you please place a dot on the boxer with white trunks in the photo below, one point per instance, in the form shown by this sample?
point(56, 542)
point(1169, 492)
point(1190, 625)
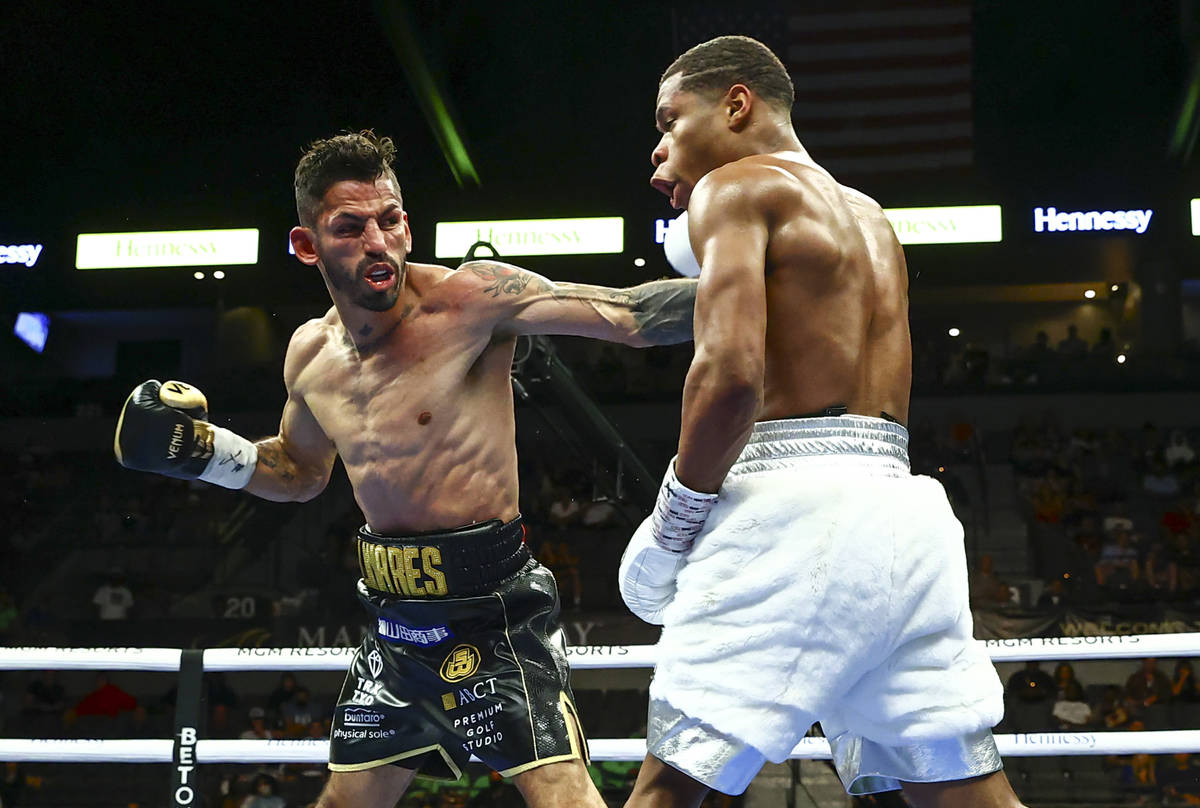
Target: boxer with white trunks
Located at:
point(800, 572)
point(406, 379)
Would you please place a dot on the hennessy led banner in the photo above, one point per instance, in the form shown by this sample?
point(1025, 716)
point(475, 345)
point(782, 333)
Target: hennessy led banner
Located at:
point(533, 236)
point(960, 224)
point(169, 248)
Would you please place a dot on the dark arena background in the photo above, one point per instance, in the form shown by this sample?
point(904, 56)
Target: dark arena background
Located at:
point(1037, 158)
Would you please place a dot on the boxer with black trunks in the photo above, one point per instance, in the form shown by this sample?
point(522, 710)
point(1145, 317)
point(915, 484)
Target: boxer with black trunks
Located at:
point(406, 379)
point(800, 571)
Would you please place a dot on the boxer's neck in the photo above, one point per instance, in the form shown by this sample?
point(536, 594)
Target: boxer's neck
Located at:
point(771, 139)
point(364, 329)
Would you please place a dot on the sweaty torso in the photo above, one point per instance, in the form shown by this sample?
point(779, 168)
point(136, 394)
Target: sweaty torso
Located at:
point(837, 300)
point(422, 419)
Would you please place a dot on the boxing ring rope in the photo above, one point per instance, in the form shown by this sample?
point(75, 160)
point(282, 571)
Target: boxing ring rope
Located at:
point(206, 751)
point(581, 657)
point(1025, 744)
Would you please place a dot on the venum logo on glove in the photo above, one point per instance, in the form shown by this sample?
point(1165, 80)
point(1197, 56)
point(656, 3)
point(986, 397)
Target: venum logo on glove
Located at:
point(176, 441)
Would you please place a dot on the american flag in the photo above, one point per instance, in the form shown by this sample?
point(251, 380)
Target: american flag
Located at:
point(882, 86)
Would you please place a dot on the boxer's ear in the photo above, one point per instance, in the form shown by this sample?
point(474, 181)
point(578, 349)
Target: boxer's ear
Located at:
point(304, 245)
point(738, 102)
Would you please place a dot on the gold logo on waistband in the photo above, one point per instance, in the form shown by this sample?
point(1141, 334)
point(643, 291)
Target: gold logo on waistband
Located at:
point(461, 663)
point(412, 572)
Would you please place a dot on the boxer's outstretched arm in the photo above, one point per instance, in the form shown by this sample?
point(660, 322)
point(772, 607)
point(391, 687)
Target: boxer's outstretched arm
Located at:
point(295, 464)
point(655, 313)
point(724, 386)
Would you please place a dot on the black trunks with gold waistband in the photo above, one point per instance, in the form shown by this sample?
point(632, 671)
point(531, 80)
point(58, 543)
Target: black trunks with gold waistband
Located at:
point(450, 563)
point(465, 656)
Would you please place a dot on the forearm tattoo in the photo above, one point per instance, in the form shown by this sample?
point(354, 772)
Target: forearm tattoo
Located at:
point(661, 311)
point(271, 456)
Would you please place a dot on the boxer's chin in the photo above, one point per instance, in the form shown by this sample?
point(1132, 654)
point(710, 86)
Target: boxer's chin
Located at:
point(379, 301)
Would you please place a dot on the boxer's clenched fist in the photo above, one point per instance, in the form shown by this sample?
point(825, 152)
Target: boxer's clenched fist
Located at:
point(658, 548)
point(162, 429)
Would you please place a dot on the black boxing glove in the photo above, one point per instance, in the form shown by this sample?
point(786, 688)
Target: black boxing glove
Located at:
point(162, 429)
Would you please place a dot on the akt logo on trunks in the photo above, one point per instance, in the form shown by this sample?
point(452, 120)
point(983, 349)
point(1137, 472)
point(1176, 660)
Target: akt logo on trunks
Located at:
point(461, 663)
point(466, 695)
point(398, 632)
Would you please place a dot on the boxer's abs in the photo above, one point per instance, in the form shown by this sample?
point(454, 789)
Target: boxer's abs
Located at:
point(837, 308)
point(430, 447)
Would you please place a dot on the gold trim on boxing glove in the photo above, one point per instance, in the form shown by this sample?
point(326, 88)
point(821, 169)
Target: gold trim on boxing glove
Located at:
point(120, 423)
point(183, 396)
point(202, 446)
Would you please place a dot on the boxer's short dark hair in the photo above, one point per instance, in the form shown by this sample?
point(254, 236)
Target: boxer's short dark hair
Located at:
point(712, 67)
point(362, 156)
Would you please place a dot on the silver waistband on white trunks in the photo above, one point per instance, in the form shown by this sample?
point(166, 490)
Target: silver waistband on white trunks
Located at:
point(853, 440)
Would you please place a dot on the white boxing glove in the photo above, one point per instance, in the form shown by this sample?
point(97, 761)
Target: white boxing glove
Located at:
point(658, 549)
point(677, 244)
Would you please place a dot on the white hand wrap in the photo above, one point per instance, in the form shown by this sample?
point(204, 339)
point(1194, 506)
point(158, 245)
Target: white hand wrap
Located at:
point(679, 513)
point(658, 548)
point(233, 461)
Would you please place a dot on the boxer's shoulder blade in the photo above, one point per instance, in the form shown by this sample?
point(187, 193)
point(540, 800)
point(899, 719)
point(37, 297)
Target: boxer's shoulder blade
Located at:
point(837, 292)
point(794, 201)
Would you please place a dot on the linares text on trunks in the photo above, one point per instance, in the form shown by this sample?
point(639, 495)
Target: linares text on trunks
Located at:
point(1053, 220)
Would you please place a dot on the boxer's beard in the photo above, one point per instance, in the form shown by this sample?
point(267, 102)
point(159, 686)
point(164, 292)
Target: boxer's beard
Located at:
point(371, 299)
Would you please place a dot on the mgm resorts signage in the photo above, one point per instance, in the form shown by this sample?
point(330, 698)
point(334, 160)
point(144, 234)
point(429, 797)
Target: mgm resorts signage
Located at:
point(170, 248)
point(533, 236)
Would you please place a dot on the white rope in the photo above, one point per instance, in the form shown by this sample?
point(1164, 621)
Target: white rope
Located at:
point(1020, 745)
point(1109, 647)
point(1040, 744)
point(581, 657)
point(278, 659)
point(88, 750)
point(114, 659)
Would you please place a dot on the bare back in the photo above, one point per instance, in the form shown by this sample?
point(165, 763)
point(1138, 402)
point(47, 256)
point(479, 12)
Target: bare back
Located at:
point(423, 422)
point(837, 301)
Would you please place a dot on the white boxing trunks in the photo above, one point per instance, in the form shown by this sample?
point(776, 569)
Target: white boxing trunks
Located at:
point(829, 584)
